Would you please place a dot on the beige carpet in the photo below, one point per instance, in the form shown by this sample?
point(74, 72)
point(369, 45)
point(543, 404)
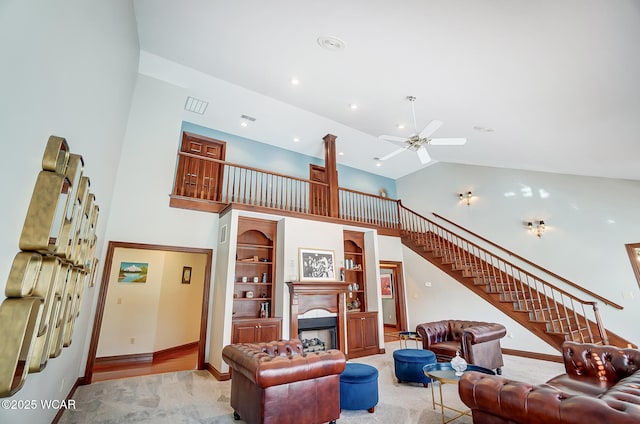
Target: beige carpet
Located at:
point(197, 397)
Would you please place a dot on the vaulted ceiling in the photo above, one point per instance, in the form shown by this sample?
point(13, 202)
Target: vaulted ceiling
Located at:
point(547, 86)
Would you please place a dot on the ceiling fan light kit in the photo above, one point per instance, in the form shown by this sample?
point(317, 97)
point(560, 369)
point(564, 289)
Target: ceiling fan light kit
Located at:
point(419, 140)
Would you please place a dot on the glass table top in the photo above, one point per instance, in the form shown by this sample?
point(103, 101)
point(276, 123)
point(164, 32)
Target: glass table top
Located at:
point(444, 373)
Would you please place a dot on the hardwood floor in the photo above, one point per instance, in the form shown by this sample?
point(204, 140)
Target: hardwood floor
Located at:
point(178, 360)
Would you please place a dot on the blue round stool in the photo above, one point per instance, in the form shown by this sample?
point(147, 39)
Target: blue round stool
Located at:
point(408, 365)
point(359, 387)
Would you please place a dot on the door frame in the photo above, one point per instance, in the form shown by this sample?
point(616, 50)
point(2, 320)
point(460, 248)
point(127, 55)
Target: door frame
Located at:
point(399, 291)
point(104, 287)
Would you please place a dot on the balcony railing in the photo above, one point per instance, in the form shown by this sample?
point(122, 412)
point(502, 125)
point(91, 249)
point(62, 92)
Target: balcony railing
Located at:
point(224, 182)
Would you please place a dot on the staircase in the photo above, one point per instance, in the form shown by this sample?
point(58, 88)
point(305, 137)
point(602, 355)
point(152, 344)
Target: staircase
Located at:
point(549, 312)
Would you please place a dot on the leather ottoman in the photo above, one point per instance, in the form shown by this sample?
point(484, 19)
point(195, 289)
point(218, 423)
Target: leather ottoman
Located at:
point(359, 387)
point(408, 365)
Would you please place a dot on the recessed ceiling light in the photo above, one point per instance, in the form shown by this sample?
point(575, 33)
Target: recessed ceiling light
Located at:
point(295, 81)
point(400, 126)
point(353, 106)
point(296, 139)
point(340, 153)
point(379, 164)
point(195, 105)
point(243, 124)
point(331, 43)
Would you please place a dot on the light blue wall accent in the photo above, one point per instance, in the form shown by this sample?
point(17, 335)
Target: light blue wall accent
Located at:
point(244, 151)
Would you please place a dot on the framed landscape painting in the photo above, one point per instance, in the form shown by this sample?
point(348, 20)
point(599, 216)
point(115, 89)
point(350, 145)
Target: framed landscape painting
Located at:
point(317, 265)
point(133, 272)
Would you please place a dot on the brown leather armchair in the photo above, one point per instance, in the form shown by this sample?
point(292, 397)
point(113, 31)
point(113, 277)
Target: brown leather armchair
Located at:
point(277, 382)
point(478, 342)
point(601, 385)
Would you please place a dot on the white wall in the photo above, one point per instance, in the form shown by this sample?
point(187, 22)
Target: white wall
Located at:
point(65, 72)
point(588, 222)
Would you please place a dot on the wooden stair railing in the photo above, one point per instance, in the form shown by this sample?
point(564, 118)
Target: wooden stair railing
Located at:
point(550, 312)
point(532, 264)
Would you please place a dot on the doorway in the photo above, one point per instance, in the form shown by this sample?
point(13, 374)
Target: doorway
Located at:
point(394, 315)
point(113, 263)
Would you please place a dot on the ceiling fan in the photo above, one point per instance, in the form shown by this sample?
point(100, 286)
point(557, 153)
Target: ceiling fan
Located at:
point(417, 141)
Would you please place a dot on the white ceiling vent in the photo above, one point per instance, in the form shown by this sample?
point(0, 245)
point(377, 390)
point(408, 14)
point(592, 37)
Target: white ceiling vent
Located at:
point(195, 105)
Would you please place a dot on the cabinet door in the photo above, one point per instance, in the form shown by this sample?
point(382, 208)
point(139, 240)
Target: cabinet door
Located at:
point(370, 332)
point(355, 341)
point(268, 332)
point(243, 332)
point(362, 334)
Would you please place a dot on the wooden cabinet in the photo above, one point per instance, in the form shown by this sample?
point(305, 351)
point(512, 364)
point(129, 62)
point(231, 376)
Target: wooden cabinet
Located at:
point(253, 282)
point(354, 270)
point(256, 330)
point(362, 334)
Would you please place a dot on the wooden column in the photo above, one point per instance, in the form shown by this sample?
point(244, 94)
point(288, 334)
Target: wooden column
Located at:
point(332, 174)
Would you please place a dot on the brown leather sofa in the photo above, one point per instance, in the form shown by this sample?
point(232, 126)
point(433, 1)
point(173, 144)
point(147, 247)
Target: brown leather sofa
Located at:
point(478, 342)
point(601, 385)
point(277, 382)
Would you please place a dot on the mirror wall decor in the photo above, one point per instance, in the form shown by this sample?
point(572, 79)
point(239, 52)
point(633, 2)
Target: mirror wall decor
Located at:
point(48, 274)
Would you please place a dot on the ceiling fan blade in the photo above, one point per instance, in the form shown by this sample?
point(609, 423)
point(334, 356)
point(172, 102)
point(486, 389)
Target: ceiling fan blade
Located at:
point(392, 154)
point(447, 141)
point(423, 155)
point(430, 128)
point(393, 138)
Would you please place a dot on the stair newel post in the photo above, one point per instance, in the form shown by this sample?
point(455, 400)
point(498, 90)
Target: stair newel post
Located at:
point(332, 174)
point(601, 329)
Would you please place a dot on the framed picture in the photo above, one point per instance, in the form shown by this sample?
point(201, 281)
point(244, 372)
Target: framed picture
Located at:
point(386, 286)
point(133, 272)
point(317, 265)
point(186, 275)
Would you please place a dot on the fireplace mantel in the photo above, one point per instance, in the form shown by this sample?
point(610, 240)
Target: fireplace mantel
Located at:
point(327, 295)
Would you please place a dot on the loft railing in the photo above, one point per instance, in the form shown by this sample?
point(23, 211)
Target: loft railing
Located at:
point(368, 209)
point(564, 313)
point(215, 180)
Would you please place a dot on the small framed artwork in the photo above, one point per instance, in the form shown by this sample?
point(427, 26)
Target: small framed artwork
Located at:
point(133, 272)
point(317, 265)
point(386, 286)
point(186, 275)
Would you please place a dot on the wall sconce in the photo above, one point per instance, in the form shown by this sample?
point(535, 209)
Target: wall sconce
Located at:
point(467, 196)
point(536, 227)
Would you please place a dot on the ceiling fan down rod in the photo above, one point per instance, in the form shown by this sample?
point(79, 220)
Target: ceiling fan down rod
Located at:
point(413, 109)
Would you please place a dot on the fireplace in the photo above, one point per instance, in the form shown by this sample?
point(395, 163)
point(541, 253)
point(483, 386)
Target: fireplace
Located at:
point(328, 296)
point(318, 334)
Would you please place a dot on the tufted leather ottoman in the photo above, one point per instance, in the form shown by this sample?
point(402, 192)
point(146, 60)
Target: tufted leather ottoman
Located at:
point(408, 365)
point(359, 387)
